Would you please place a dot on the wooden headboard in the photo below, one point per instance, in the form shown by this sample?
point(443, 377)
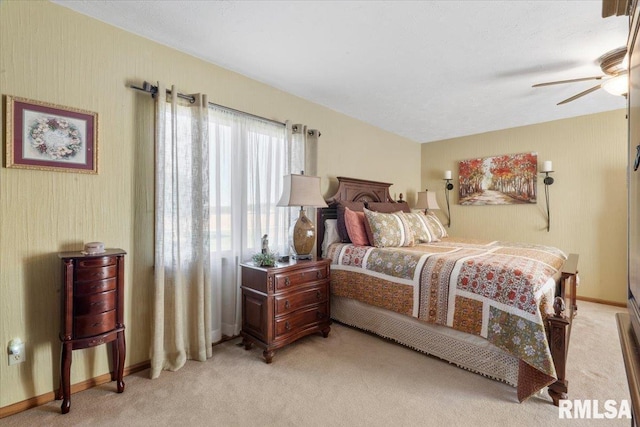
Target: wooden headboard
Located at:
point(350, 190)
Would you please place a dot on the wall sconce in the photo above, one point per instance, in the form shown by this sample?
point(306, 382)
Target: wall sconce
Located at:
point(427, 200)
point(547, 168)
point(448, 187)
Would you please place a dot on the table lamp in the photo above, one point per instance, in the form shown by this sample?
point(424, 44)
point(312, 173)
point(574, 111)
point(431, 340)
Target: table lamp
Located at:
point(302, 190)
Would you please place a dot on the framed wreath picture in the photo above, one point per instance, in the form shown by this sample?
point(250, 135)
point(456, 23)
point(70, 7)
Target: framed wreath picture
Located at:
point(51, 137)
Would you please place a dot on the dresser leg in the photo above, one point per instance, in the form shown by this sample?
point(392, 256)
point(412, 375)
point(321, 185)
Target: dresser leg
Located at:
point(268, 355)
point(114, 359)
point(121, 353)
point(65, 377)
point(59, 390)
point(247, 344)
point(325, 331)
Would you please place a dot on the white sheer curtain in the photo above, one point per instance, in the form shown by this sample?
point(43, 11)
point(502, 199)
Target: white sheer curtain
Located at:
point(219, 176)
point(182, 281)
point(249, 158)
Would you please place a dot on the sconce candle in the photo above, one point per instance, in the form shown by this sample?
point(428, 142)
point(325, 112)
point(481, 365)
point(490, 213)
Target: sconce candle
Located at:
point(547, 166)
point(447, 174)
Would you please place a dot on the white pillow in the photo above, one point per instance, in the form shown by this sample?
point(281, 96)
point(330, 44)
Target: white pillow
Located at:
point(330, 234)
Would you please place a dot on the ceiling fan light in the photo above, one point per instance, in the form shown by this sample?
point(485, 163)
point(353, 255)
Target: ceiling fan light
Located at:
point(618, 85)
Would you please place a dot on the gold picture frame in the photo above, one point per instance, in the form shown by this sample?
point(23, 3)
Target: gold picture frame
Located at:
point(51, 137)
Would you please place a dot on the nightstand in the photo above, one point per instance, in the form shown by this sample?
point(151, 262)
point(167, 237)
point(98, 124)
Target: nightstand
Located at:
point(284, 303)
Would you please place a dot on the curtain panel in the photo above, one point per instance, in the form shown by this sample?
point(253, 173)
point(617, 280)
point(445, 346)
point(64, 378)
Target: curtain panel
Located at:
point(219, 175)
point(249, 158)
point(181, 327)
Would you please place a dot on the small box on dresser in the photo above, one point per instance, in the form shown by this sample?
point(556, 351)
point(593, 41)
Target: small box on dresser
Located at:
point(92, 311)
point(284, 303)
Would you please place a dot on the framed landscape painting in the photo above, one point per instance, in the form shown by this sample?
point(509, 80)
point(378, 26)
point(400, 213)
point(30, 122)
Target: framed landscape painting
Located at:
point(50, 137)
point(499, 180)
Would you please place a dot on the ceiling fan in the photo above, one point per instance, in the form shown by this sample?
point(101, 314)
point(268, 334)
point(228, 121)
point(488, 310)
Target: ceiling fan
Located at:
point(614, 66)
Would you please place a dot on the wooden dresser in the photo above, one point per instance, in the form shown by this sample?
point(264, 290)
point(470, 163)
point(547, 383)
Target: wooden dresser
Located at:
point(92, 311)
point(284, 303)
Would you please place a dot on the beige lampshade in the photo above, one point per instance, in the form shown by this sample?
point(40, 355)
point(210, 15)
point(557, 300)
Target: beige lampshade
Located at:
point(427, 200)
point(302, 190)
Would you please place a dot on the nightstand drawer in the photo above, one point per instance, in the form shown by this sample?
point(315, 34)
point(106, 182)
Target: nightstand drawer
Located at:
point(291, 302)
point(94, 324)
point(94, 303)
point(96, 273)
point(97, 262)
point(300, 320)
point(94, 287)
point(286, 281)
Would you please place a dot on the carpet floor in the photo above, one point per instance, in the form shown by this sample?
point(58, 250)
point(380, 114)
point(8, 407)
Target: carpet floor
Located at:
point(350, 378)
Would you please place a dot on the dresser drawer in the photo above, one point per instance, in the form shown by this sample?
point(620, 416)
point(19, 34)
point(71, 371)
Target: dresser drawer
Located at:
point(300, 320)
point(291, 302)
point(289, 280)
point(94, 287)
point(97, 262)
point(96, 273)
point(94, 303)
point(94, 324)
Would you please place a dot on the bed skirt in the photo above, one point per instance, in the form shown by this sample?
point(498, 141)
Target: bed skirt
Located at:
point(467, 351)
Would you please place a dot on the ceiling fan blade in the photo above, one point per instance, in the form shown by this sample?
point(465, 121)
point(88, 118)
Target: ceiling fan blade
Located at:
point(583, 93)
point(568, 81)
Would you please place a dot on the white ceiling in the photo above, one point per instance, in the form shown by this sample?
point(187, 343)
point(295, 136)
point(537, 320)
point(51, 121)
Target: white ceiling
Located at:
point(426, 70)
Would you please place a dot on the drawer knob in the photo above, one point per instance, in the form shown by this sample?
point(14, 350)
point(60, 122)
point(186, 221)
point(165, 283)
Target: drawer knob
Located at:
point(319, 274)
point(286, 304)
point(287, 282)
point(287, 326)
point(319, 315)
point(96, 303)
point(96, 324)
point(318, 294)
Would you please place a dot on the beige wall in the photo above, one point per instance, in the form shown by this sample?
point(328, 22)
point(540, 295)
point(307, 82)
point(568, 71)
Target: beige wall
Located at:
point(588, 199)
point(52, 54)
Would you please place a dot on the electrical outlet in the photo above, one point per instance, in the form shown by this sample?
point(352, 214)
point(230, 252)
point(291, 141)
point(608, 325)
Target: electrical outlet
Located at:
point(16, 352)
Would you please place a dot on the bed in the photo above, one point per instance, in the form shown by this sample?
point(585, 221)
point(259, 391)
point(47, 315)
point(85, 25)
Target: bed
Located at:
point(494, 308)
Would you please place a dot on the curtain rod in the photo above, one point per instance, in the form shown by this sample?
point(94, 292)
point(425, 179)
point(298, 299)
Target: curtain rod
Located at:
point(153, 90)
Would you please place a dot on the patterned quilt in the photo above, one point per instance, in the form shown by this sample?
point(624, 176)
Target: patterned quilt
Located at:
point(500, 291)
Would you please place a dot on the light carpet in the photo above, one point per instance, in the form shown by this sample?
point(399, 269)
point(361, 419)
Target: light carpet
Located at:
point(350, 378)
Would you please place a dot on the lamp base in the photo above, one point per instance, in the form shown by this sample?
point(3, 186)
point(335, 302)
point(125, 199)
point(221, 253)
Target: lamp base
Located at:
point(303, 237)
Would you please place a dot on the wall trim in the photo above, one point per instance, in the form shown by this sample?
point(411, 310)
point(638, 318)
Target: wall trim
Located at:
point(75, 388)
point(601, 301)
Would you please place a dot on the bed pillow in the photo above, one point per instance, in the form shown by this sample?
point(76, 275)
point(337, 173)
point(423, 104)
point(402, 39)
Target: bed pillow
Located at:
point(354, 222)
point(419, 224)
point(342, 229)
point(388, 207)
point(330, 234)
point(436, 227)
point(388, 229)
